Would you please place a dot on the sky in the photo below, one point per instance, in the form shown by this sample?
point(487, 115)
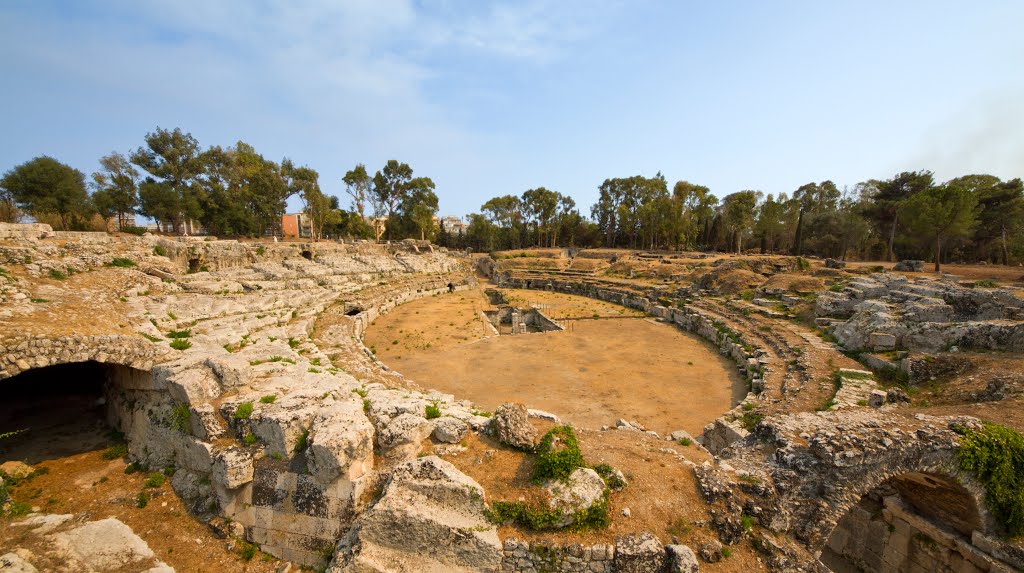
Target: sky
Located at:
point(494, 98)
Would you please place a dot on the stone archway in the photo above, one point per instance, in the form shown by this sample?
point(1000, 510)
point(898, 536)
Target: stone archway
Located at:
point(21, 353)
point(911, 522)
point(870, 491)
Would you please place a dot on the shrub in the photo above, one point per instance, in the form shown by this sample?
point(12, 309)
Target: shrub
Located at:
point(181, 344)
point(160, 251)
point(433, 411)
point(986, 283)
point(243, 411)
point(302, 442)
point(180, 333)
point(610, 476)
point(151, 338)
point(750, 420)
point(181, 418)
point(115, 452)
point(57, 275)
point(18, 509)
point(155, 479)
point(543, 518)
point(246, 550)
point(995, 455)
point(138, 231)
point(142, 500)
point(132, 468)
point(121, 262)
point(557, 460)
point(268, 399)
point(249, 439)
point(293, 344)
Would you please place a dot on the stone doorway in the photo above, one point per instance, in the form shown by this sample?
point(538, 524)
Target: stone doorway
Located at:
point(58, 411)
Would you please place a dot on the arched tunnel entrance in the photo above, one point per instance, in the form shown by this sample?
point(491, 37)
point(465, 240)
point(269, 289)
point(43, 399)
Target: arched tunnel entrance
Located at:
point(911, 522)
point(62, 410)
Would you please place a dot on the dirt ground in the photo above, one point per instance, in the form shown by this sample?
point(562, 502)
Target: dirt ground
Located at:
point(661, 495)
point(93, 488)
point(591, 374)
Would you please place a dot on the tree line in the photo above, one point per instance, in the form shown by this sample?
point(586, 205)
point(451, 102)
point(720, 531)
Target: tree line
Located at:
point(229, 191)
point(235, 191)
point(966, 219)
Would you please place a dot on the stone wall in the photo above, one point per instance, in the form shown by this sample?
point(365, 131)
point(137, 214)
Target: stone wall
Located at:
point(890, 537)
point(27, 231)
point(641, 553)
point(20, 353)
point(521, 557)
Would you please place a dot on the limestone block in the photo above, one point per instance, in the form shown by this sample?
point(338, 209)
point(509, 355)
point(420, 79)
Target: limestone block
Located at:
point(205, 422)
point(340, 442)
point(711, 552)
point(403, 435)
point(681, 559)
point(877, 398)
point(639, 554)
point(583, 489)
point(104, 545)
point(430, 514)
point(232, 467)
point(193, 386)
point(882, 341)
point(12, 563)
point(511, 426)
point(449, 430)
point(232, 371)
point(720, 434)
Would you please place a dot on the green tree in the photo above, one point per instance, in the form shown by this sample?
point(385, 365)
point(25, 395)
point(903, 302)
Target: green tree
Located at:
point(481, 233)
point(158, 200)
point(389, 188)
point(738, 215)
point(940, 212)
point(771, 222)
point(419, 206)
point(116, 188)
point(694, 206)
point(887, 198)
point(173, 159)
point(506, 214)
point(541, 206)
point(1001, 213)
point(813, 198)
point(44, 186)
point(358, 185)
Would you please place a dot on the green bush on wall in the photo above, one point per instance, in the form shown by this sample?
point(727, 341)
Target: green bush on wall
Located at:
point(995, 455)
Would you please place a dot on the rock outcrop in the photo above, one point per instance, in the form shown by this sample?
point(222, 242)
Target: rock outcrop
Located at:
point(430, 518)
point(511, 426)
point(887, 311)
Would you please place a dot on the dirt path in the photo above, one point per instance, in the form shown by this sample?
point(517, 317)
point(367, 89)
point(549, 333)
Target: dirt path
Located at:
point(592, 374)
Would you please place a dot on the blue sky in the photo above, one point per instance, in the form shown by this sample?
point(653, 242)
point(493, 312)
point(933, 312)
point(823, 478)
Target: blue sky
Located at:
point(492, 98)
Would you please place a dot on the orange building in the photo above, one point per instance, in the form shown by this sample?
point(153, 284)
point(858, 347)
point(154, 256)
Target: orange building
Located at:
point(296, 225)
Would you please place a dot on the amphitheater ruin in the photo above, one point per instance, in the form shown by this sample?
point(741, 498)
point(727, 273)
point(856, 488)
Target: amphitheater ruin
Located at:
point(196, 404)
